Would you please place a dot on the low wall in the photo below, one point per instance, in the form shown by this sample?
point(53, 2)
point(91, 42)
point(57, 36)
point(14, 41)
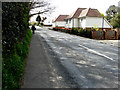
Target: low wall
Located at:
point(106, 34)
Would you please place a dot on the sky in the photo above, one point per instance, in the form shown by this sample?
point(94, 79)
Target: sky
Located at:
point(66, 7)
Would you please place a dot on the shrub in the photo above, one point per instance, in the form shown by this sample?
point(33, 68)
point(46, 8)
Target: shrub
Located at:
point(74, 31)
point(67, 30)
point(81, 32)
point(88, 33)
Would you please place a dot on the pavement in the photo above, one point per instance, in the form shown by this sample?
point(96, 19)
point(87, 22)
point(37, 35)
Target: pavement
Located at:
point(38, 70)
point(42, 70)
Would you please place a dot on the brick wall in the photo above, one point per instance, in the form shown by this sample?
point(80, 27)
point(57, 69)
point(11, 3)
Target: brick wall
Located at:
point(106, 34)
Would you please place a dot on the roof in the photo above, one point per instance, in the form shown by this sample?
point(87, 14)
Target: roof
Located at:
point(61, 18)
point(76, 13)
point(84, 13)
point(81, 12)
point(93, 13)
point(71, 15)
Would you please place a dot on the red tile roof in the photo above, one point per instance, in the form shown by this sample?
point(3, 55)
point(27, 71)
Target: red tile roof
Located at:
point(85, 12)
point(93, 13)
point(78, 12)
point(61, 18)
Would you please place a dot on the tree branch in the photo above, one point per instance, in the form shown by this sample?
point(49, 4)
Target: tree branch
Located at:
point(39, 6)
point(38, 13)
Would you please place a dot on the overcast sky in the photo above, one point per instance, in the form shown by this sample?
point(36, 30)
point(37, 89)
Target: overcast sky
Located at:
point(68, 6)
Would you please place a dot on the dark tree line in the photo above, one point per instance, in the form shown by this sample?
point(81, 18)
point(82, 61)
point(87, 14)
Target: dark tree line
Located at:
point(113, 16)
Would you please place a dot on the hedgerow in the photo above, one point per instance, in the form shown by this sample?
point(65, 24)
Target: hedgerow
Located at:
point(16, 37)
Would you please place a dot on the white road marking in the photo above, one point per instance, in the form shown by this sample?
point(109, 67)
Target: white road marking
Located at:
point(95, 52)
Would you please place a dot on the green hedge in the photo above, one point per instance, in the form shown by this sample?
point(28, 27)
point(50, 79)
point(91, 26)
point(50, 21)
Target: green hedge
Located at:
point(13, 66)
point(82, 32)
point(15, 41)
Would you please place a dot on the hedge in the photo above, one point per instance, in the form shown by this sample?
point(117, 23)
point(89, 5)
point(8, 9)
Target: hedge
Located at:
point(81, 32)
point(13, 66)
point(16, 37)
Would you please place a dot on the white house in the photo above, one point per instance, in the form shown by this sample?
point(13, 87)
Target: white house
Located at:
point(86, 18)
point(60, 21)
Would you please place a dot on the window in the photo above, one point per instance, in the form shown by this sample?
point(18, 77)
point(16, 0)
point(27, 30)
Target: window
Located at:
point(67, 21)
point(70, 20)
point(81, 19)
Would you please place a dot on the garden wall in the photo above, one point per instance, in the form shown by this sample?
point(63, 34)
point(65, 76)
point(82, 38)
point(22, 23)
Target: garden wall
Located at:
point(106, 34)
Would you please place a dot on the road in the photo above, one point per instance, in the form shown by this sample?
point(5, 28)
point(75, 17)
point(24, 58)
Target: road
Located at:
point(81, 62)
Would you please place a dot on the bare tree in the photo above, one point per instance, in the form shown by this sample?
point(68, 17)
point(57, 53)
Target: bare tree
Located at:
point(44, 6)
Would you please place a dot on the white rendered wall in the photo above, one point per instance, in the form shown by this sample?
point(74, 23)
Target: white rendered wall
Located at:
point(75, 23)
point(60, 24)
point(95, 21)
point(82, 24)
point(72, 23)
point(69, 23)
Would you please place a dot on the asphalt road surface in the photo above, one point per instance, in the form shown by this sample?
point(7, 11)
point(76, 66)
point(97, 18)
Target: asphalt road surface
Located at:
point(80, 62)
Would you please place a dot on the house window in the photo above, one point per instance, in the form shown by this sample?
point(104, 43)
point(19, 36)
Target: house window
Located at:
point(70, 20)
point(66, 21)
point(81, 19)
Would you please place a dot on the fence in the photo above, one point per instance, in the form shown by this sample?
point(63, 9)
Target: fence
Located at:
point(106, 34)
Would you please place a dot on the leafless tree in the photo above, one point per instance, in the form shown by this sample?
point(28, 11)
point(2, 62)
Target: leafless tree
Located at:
point(43, 5)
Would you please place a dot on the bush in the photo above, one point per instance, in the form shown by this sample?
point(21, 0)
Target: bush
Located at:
point(74, 31)
point(88, 33)
point(81, 32)
point(85, 33)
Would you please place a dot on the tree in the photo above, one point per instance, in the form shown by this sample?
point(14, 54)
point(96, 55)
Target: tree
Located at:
point(44, 7)
point(44, 18)
point(38, 19)
point(113, 16)
point(115, 21)
point(111, 12)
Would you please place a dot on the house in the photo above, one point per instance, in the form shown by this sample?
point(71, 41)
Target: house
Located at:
point(60, 21)
point(86, 18)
